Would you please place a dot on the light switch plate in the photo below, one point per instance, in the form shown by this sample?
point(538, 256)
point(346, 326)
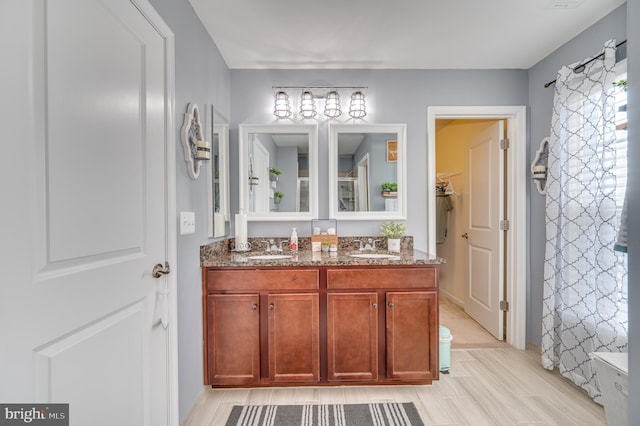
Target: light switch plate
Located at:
point(187, 223)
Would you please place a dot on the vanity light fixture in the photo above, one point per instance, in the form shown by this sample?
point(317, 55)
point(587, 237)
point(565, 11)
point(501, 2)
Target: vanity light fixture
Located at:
point(332, 105)
point(357, 109)
point(308, 108)
point(307, 105)
point(196, 148)
point(282, 107)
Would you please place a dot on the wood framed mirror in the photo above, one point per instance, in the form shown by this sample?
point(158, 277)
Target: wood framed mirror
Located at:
point(278, 171)
point(367, 171)
point(219, 215)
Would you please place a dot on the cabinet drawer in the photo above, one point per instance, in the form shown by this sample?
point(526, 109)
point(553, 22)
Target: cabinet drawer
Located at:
point(389, 278)
point(262, 279)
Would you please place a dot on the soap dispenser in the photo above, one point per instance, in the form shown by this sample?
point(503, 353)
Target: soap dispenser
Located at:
point(293, 241)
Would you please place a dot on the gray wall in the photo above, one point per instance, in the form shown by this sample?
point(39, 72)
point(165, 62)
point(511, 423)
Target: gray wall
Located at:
point(633, 115)
point(202, 77)
point(393, 96)
point(584, 45)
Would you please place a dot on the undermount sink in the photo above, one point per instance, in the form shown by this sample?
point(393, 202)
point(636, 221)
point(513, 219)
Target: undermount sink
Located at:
point(376, 256)
point(269, 256)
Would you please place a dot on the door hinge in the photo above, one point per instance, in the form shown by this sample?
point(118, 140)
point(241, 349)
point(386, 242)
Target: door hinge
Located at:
point(504, 143)
point(504, 305)
point(504, 225)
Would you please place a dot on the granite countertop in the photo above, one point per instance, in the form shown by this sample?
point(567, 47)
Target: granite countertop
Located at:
point(212, 256)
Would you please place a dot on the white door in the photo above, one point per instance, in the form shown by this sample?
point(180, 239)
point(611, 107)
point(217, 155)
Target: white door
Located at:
point(261, 191)
point(90, 221)
point(485, 239)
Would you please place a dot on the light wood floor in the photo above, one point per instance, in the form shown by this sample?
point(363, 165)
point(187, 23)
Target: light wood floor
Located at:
point(491, 384)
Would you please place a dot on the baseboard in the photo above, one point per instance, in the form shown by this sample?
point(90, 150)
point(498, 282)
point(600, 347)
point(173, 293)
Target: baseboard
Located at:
point(445, 294)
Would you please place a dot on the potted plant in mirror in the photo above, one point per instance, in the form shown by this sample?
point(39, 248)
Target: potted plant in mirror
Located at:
point(277, 197)
point(389, 189)
point(394, 232)
point(274, 173)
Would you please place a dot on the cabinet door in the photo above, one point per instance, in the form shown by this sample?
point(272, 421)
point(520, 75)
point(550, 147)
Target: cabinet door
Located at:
point(352, 336)
point(412, 335)
point(294, 338)
point(233, 339)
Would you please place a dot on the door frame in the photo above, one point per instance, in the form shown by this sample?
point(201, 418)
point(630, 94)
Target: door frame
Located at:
point(154, 18)
point(516, 174)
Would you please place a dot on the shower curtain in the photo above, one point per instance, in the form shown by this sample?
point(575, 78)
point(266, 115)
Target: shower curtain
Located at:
point(585, 290)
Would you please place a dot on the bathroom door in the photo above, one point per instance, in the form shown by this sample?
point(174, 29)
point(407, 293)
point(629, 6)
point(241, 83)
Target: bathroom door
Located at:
point(89, 194)
point(485, 239)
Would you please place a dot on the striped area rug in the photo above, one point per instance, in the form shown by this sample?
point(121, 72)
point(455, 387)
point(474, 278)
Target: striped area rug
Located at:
point(390, 414)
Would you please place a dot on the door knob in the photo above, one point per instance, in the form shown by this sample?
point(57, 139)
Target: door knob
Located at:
point(159, 270)
point(465, 236)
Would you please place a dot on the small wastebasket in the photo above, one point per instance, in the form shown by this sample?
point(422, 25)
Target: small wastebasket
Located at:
point(445, 349)
point(612, 372)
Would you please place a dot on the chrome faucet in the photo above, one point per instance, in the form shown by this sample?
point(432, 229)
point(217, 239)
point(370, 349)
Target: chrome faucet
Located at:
point(271, 246)
point(371, 245)
point(359, 241)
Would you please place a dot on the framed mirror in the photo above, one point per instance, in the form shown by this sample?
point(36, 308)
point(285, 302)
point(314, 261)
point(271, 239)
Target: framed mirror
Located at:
point(367, 171)
point(278, 171)
point(218, 174)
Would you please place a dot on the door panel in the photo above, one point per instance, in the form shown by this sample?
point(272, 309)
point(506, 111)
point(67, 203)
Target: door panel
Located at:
point(412, 346)
point(294, 335)
point(352, 336)
point(233, 327)
point(83, 297)
point(485, 242)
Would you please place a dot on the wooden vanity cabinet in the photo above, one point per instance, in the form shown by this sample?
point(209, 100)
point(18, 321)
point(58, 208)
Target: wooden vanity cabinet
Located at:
point(352, 336)
point(321, 325)
point(261, 326)
point(412, 333)
point(294, 338)
point(233, 323)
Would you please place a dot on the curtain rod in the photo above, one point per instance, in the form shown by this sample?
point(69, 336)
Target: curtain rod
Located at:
point(579, 68)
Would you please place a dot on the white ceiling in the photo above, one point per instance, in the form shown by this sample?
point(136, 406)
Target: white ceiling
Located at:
point(394, 34)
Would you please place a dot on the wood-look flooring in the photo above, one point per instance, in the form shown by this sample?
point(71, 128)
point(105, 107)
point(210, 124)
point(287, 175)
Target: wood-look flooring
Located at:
point(490, 384)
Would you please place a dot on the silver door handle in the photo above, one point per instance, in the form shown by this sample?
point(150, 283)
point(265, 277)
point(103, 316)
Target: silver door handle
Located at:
point(465, 235)
point(159, 270)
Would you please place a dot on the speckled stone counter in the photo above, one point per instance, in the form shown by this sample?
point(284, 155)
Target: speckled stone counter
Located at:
point(220, 254)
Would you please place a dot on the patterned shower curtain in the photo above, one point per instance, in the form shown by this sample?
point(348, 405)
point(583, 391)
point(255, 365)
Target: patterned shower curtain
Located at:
point(585, 289)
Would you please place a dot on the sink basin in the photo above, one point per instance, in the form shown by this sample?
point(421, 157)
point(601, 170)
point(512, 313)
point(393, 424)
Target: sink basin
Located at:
point(376, 256)
point(269, 256)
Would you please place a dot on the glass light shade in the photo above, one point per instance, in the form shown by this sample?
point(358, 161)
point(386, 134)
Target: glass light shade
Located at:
point(307, 105)
point(357, 108)
point(332, 105)
point(282, 107)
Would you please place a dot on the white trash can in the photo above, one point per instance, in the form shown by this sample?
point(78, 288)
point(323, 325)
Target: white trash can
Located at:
point(445, 349)
point(612, 372)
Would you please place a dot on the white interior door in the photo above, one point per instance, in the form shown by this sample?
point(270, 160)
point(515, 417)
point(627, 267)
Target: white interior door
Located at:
point(485, 241)
point(80, 328)
point(261, 191)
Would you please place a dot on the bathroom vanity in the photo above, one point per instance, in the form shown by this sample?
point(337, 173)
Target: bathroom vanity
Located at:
point(320, 320)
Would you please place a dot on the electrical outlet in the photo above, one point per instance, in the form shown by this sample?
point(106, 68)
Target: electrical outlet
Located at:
point(187, 223)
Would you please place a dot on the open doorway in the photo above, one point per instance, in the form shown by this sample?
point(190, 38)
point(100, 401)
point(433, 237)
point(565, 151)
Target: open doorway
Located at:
point(470, 191)
point(512, 293)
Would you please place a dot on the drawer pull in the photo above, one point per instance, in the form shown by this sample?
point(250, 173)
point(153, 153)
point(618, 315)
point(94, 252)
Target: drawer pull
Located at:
point(271, 307)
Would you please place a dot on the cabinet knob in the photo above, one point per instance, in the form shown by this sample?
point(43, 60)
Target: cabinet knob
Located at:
point(391, 305)
point(254, 307)
point(271, 307)
point(375, 306)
